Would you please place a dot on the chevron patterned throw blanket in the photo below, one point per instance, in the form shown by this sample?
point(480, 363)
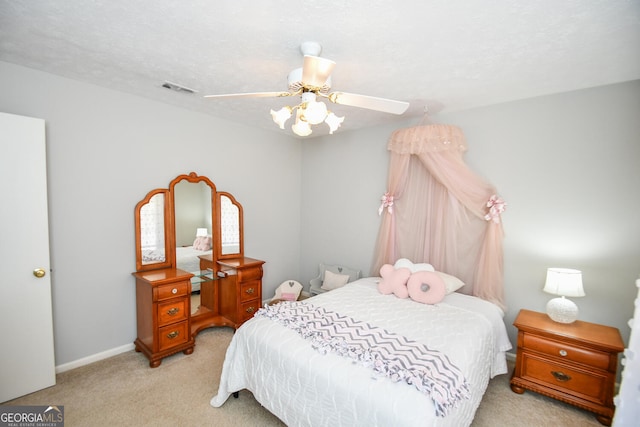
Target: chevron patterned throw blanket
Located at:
point(388, 354)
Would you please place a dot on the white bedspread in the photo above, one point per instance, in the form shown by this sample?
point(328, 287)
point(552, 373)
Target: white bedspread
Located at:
point(305, 388)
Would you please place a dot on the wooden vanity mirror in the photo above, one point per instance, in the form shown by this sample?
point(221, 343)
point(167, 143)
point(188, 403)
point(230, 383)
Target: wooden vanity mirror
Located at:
point(191, 270)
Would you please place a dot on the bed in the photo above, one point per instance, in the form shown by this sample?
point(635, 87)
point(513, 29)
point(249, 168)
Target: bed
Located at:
point(304, 387)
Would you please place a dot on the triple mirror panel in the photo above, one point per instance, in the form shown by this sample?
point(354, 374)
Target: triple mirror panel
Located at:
point(190, 219)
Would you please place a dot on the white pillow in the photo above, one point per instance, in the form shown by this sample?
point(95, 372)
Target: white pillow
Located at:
point(405, 263)
point(452, 283)
point(333, 281)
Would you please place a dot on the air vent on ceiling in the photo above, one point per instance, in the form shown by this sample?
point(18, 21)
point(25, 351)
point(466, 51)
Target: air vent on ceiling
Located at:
point(177, 87)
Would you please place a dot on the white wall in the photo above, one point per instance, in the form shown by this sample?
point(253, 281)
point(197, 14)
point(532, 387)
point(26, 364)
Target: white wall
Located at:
point(105, 151)
point(566, 164)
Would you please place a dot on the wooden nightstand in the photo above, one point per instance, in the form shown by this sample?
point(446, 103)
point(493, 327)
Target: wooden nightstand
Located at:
point(575, 363)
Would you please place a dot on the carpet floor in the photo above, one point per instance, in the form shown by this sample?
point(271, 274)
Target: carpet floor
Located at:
point(123, 390)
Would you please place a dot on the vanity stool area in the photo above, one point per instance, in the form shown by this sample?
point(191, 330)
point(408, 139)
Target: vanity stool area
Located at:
point(190, 233)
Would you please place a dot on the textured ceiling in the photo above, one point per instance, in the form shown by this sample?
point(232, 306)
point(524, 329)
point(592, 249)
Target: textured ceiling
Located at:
point(446, 55)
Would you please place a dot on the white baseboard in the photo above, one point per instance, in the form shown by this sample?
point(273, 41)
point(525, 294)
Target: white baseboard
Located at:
point(94, 358)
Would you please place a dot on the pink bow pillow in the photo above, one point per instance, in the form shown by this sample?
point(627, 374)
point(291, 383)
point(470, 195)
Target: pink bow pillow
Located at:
point(426, 287)
point(394, 281)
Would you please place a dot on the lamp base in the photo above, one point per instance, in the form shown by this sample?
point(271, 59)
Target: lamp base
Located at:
point(562, 310)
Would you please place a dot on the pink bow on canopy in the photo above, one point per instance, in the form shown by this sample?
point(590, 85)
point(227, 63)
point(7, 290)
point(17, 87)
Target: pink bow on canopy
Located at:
point(496, 206)
point(387, 202)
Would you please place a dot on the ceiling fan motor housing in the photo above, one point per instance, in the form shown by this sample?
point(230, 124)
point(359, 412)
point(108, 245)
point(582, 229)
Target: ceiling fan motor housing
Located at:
point(294, 80)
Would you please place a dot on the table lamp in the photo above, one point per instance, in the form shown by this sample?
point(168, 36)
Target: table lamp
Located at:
point(565, 282)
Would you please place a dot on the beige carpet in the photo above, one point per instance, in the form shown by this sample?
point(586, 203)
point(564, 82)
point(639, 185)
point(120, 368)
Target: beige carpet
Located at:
point(123, 390)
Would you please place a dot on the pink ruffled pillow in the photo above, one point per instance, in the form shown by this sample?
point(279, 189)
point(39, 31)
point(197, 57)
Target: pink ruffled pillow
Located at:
point(426, 287)
point(394, 281)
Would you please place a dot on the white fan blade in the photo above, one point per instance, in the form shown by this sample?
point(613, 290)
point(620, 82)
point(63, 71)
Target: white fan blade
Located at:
point(369, 102)
point(251, 95)
point(316, 70)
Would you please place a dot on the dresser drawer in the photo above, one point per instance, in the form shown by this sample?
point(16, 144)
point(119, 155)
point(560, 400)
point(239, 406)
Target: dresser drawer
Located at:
point(250, 290)
point(248, 309)
point(172, 311)
point(247, 274)
point(587, 385)
point(171, 291)
point(172, 335)
point(592, 358)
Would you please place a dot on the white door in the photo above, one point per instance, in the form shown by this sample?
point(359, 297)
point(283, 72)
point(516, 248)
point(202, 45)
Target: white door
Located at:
point(27, 360)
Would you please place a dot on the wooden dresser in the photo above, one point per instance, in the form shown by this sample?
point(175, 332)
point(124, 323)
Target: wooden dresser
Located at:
point(190, 226)
point(240, 288)
point(575, 363)
point(163, 308)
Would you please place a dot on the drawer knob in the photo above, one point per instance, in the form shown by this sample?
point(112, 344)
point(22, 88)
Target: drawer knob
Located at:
point(174, 291)
point(249, 291)
point(560, 376)
point(173, 311)
point(563, 353)
point(251, 309)
point(172, 335)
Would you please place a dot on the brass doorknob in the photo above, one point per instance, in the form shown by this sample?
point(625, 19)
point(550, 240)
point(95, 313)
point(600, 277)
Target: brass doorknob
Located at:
point(39, 273)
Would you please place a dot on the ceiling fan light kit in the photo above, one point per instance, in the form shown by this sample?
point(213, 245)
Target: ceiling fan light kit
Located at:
point(311, 81)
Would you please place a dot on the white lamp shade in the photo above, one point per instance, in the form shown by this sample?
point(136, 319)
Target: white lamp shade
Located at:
point(201, 232)
point(564, 281)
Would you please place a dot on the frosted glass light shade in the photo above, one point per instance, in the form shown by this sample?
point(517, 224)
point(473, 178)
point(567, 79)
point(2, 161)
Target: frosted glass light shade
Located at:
point(281, 116)
point(333, 122)
point(563, 282)
point(315, 112)
point(301, 128)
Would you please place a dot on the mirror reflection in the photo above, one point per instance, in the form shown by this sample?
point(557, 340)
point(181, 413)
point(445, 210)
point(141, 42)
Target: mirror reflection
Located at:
point(193, 230)
point(152, 238)
point(229, 226)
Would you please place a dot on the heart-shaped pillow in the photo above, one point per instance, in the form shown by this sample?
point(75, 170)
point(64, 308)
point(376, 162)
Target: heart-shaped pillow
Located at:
point(426, 287)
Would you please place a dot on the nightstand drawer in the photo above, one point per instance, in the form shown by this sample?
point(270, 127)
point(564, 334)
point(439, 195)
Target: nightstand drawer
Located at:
point(172, 311)
point(173, 335)
point(592, 358)
point(586, 385)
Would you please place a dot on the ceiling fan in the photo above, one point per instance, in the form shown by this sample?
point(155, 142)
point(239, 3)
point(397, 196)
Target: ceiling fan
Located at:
point(312, 83)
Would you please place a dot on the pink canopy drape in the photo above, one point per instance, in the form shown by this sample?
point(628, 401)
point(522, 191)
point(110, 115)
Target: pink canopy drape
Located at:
point(441, 211)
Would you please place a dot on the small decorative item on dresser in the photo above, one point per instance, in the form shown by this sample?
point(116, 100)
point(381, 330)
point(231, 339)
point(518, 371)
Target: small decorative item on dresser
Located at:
point(575, 363)
point(565, 282)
